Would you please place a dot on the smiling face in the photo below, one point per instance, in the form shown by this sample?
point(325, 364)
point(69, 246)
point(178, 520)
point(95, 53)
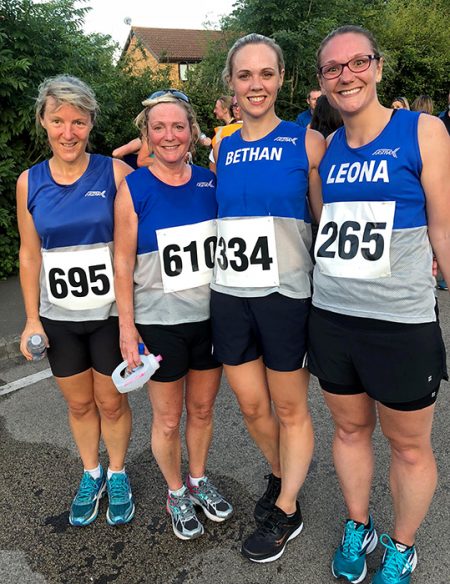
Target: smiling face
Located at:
point(169, 133)
point(256, 79)
point(351, 92)
point(67, 128)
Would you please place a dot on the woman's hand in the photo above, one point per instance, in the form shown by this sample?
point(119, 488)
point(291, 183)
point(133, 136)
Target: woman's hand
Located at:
point(129, 342)
point(33, 326)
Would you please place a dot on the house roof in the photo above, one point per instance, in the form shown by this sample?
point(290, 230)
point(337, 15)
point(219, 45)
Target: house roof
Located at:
point(175, 45)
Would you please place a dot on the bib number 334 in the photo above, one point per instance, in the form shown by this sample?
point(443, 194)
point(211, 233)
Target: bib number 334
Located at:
point(354, 239)
point(246, 254)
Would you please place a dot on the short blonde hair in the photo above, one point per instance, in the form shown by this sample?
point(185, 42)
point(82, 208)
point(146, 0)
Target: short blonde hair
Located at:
point(142, 119)
point(66, 89)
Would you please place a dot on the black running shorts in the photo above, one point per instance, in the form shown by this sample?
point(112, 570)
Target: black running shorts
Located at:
point(394, 363)
point(78, 346)
point(272, 326)
point(182, 346)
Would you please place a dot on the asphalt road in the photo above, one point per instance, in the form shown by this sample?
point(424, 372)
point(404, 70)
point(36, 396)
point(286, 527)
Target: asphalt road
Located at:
point(40, 470)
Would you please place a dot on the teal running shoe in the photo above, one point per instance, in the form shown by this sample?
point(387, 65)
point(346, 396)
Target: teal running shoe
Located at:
point(397, 564)
point(121, 505)
point(84, 508)
point(349, 561)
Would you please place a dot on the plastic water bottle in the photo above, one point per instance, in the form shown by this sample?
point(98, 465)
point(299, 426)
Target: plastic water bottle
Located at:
point(126, 380)
point(37, 347)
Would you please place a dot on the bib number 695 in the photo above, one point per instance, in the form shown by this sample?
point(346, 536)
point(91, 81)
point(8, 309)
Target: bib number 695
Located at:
point(81, 282)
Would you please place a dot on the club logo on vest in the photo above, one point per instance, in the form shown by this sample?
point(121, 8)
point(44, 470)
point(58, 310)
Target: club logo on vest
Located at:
point(204, 184)
point(286, 139)
point(101, 194)
point(386, 152)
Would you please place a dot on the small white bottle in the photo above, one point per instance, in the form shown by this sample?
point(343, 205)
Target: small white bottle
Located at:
point(126, 381)
point(37, 347)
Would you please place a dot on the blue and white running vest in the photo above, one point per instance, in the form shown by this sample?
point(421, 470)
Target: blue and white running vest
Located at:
point(264, 227)
point(373, 253)
point(175, 247)
point(75, 225)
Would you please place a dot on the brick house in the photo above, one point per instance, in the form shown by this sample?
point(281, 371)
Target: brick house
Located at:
point(180, 49)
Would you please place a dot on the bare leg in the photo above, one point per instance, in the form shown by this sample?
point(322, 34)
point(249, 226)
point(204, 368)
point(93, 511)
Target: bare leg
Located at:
point(354, 418)
point(115, 419)
point(413, 474)
point(167, 406)
point(201, 392)
point(249, 384)
point(84, 419)
point(289, 392)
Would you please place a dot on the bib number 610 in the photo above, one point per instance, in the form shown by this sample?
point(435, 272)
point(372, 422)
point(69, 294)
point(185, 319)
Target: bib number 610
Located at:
point(81, 282)
point(350, 241)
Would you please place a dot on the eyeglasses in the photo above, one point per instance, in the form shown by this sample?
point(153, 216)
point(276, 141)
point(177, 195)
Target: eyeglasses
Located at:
point(355, 65)
point(174, 92)
point(234, 105)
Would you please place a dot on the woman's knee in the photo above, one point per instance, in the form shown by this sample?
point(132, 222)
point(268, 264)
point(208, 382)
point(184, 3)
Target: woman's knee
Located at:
point(113, 409)
point(350, 432)
point(200, 412)
point(80, 409)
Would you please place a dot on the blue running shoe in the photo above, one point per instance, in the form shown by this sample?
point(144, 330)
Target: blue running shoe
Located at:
point(349, 561)
point(84, 508)
point(397, 564)
point(121, 504)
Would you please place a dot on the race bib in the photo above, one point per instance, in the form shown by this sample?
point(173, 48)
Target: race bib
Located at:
point(186, 255)
point(354, 239)
point(246, 255)
point(79, 280)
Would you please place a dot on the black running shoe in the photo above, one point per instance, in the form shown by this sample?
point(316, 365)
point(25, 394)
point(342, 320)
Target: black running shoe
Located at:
point(268, 542)
point(266, 504)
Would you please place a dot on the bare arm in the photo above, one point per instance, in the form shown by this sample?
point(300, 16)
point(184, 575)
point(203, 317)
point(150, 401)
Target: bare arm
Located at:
point(30, 261)
point(144, 158)
point(129, 148)
point(125, 245)
point(434, 144)
point(315, 149)
point(120, 169)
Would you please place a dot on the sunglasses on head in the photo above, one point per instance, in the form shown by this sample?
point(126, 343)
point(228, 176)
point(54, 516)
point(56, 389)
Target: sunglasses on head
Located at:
point(174, 92)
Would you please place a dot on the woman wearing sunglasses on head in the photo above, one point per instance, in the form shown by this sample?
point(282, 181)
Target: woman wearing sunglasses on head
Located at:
point(375, 342)
point(65, 217)
point(165, 214)
point(262, 278)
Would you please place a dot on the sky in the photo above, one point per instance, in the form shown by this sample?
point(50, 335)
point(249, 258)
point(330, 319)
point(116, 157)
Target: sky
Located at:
point(107, 16)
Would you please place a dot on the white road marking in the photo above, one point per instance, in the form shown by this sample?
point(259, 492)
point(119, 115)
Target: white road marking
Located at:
point(28, 380)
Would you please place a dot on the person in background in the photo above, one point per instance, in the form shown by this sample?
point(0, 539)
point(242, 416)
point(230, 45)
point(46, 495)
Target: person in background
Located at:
point(374, 338)
point(227, 130)
point(400, 103)
point(260, 299)
point(223, 110)
point(65, 217)
point(326, 119)
point(304, 118)
point(423, 104)
point(445, 115)
point(164, 254)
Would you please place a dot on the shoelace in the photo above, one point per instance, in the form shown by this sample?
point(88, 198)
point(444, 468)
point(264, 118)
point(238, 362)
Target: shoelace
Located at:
point(87, 488)
point(118, 488)
point(272, 522)
point(395, 562)
point(184, 506)
point(210, 491)
point(272, 487)
point(352, 541)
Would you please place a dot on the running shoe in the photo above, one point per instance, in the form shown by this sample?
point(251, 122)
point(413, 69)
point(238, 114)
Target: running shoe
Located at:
point(184, 520)
point(268, 542)
point(397, 564)
point(266, 503)
point(349, 561)
point(210, 500)
point(121, 504)
point(84, 508)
